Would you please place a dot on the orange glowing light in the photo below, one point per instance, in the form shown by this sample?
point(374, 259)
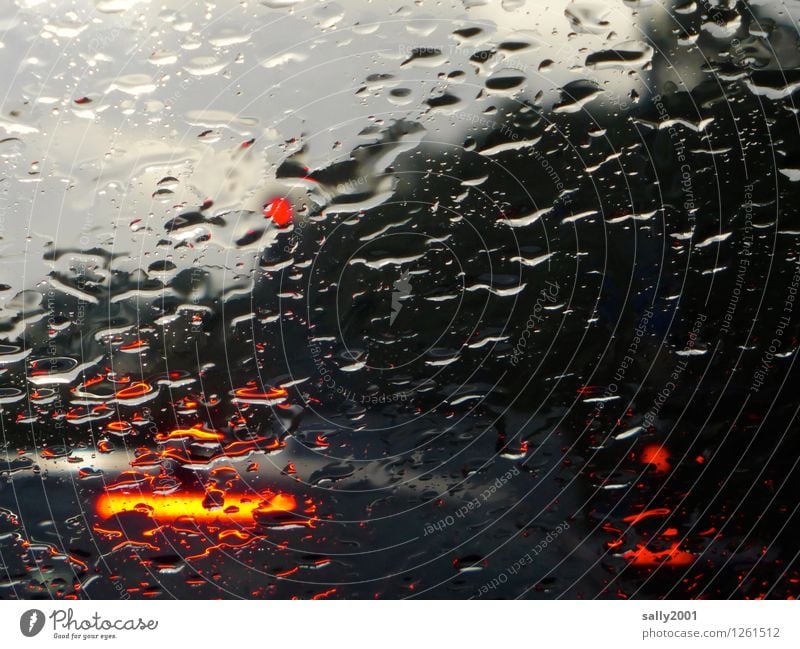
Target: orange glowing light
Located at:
point(89, 383)
point(190, 433)
point(113, 534)
point(635, 518)
point(656, 455)
point(136, 344)
point(253, 393)
point(242, 536)
point(79, 412)
point(135, 544)
point(324, 594)
point(237, 449)
point(162, 528)
point(138, 389)
point(237, 507)
point(280, 211)
point(672, 556)
point(119, 426)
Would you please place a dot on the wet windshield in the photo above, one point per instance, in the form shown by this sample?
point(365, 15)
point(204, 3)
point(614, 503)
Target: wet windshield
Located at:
point(344, 299)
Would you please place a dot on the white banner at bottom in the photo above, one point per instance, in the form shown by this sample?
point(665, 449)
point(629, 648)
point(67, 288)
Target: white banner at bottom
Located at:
point(355, 624)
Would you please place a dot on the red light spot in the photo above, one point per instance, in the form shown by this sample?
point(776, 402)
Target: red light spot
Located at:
point(280, 211)
point(657, 455)
point(255, 393)
point(673, 556)
point(119, 426)
point(136, 344)
point(190, 433)
point(635, 518)
point(134, 390)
